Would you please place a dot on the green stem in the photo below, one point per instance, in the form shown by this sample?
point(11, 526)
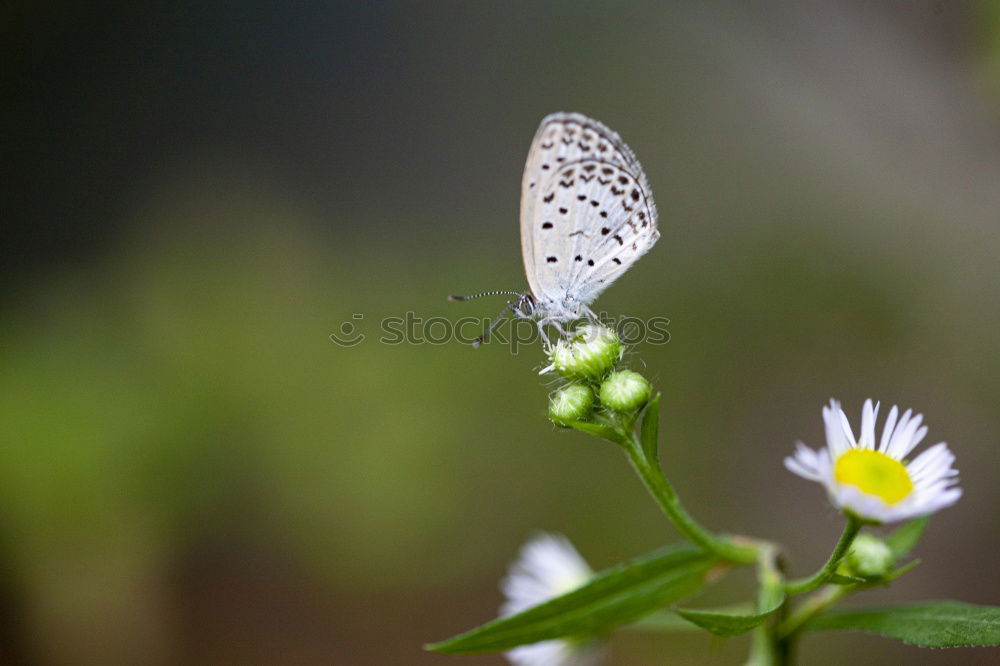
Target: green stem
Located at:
point(812, 607)
point(803, 585)
point(765, 648)
point(665, 495)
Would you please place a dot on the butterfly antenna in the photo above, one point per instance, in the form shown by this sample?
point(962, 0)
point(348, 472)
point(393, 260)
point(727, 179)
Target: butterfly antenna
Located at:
point(485, 293)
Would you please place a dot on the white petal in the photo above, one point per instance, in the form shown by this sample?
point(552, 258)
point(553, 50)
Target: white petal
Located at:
point(890, 424)
point(868, 415)
point(836, 442)
point(905, 429)
point(932, 463)
point(918, 437)
point(845, 426)
point(944, 499)
point(905, 440)
point(554, 653)
point(804, 462)
point(546, 567)
point(861, 504)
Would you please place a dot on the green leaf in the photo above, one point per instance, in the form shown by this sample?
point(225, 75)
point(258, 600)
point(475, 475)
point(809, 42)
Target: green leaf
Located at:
point(932, 624)
point(649, 434)
point(615, 596)
point(724, 622)
point(904, 538)
point(599, 430)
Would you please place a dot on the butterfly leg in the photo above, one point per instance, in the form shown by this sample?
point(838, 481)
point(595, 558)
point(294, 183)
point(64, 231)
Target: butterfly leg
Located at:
point(546, 344)
point(496, 322)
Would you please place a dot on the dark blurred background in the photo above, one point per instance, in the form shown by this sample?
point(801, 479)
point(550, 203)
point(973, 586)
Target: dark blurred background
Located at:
point(194, 196)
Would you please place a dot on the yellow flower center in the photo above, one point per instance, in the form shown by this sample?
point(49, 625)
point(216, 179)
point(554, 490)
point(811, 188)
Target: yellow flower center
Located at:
point(874, 473)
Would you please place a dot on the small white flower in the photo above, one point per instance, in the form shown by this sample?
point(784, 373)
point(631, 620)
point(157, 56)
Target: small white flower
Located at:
point(871, 480)
point(547, 566)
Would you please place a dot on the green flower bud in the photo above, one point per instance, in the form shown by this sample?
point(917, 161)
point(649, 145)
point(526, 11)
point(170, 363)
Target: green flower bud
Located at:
point(870, 557)
point(625, 391)
point(571, 403)
point(591, 354)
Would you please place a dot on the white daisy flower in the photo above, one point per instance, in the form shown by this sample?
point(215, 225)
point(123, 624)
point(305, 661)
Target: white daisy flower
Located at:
point(871, 480)
point(547, 566)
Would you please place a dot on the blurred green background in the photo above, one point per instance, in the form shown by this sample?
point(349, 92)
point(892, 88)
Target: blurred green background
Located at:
point(195, 196)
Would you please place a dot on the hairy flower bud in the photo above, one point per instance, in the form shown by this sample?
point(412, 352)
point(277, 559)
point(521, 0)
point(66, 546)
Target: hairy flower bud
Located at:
point(590, 354)
point(625, 391)
point(869, 557)
point(571, 403)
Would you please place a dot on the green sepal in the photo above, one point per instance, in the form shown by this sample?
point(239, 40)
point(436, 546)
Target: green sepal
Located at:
point(930, 624)
point(899, 571)
point(904, 538)
point(872, 581)
point(649, 433)
point(722, 622)
point(892, 575)
point(615, 596)
point(842, 579)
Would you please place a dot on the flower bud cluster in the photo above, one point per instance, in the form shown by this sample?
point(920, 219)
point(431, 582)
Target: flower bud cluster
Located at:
point(588, 360)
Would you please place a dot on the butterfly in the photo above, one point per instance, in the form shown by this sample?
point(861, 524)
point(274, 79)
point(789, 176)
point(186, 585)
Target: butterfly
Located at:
point(587, 215)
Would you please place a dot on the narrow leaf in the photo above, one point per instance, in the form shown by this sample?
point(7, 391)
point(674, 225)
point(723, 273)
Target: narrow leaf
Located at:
point(932, 624)
point(669, 621)
point(599, 430)
point(904, 538)
point(615, 596)
point(724, 622)
point(649, 433)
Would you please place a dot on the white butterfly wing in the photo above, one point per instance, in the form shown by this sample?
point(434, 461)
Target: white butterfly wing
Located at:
point(587, 212)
